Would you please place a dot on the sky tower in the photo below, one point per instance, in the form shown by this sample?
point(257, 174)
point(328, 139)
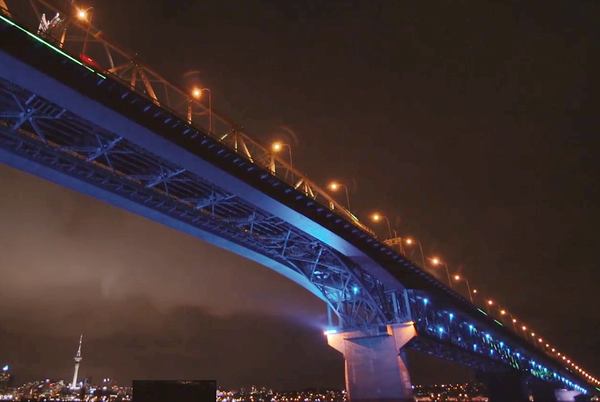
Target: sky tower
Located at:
point(77, 361)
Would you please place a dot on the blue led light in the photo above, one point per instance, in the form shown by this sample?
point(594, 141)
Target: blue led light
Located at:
point(474, 347)
point(440, 329)
point(518, 355)
point(425, 301)
point(451, 316)
point(470, 327)
point(355, 289)
point(501, 344)
point(487, 336)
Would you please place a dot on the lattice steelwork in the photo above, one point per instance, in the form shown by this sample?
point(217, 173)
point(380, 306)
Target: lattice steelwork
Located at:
point(38, 130)
point(60, 26)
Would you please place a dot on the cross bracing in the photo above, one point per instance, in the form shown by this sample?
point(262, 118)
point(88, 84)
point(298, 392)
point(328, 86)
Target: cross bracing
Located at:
point(36, 129)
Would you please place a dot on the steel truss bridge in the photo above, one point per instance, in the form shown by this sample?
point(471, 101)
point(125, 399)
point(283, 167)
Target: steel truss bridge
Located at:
point(112, 128)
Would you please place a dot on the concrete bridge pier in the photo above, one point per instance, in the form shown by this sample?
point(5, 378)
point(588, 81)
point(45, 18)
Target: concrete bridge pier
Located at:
point(505, 386)
point(375, 367)
point(564, 395)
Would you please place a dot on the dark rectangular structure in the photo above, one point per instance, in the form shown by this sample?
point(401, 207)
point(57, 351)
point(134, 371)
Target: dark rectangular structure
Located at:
point(174, 391)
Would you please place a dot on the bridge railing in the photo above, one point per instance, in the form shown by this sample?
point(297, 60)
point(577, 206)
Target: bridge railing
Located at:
point(76, 35)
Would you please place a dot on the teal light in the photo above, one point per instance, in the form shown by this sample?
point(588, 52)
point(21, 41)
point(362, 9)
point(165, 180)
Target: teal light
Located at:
point(482, 312)
point(499, 323)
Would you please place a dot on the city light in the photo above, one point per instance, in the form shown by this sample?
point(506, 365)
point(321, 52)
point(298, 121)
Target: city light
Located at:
point(436, 261)
point(409, 241)
point(5, 368)
point(524, 328)
point(502, 312)
point(474, 290)
point(334, 186)
point(376, 217)
point(457, 277)
point(330, 331)
point(277, 146)
point(82, 14)
point(490, 302)
point(197, 93)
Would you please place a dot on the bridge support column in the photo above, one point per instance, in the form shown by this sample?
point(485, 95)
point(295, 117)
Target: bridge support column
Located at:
point(563, 395)
point(375, 368)
point(505, 386)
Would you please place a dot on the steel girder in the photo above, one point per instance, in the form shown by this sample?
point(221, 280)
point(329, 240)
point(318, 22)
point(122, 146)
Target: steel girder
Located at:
point(34, 128)
point(38, 130)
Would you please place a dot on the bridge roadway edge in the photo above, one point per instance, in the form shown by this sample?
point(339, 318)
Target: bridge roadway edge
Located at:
point(33, 80)
point(72, 100)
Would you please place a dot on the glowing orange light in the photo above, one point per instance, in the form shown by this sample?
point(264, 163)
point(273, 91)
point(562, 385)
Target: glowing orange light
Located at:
point(277, 146)
point(197, 93)
point(376, 217)
point(334, 186)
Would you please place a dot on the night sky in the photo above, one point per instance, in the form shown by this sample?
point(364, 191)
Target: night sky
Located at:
point(468, 124)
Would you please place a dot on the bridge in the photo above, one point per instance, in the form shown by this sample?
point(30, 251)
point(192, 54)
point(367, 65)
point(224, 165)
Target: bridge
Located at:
point(102, 123)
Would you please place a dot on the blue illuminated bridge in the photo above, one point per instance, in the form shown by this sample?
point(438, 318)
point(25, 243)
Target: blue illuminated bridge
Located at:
point(103, 124)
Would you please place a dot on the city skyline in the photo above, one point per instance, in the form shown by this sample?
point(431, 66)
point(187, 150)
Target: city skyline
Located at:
point(115, 288)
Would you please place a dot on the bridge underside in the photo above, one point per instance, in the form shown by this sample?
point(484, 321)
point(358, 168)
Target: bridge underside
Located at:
point(46, 140)
point(52, 131)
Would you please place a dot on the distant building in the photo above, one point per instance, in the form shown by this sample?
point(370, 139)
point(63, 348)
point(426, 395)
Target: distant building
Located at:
point(6, 379)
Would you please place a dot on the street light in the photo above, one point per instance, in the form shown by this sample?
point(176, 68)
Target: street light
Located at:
point(458, 278)
point(197, 94)
point(410, 242)
point(437, 261)
point(376, 217)
point(83, 15)
point(335, 186)
point(278, 146)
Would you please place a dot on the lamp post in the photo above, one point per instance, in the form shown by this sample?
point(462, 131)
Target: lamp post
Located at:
point(458, 278)
point(278, 146)
point(514, 322)
point(488, 303)
point(335, 186)
point(83, 15)
point(376, 217)
point(410, 242)
point(437, 261)
point(197, 94)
